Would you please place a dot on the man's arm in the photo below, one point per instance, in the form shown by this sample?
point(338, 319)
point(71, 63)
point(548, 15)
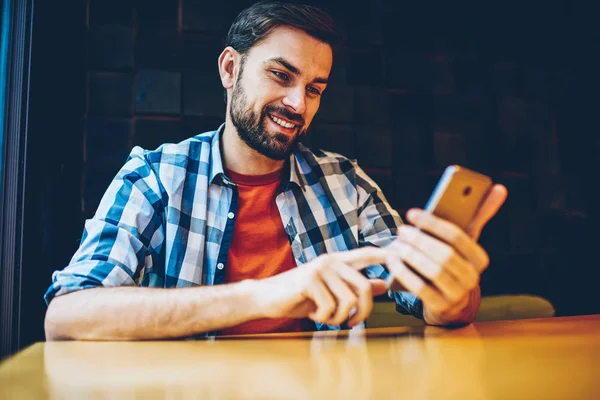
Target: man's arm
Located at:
point(325, 289)
point(127, 313)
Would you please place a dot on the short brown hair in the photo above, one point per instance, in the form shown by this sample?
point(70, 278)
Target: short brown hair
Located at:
point(254, 23)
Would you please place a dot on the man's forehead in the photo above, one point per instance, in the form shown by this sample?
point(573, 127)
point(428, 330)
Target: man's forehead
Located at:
point(296, 47)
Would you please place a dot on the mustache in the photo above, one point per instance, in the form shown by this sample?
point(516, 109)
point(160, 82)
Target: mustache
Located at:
point(285, 113)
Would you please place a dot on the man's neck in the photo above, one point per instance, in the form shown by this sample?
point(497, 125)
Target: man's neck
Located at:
point(239, 157)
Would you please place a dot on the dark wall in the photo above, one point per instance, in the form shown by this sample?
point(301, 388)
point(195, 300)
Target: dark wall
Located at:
point(53, 219)
point(501, 89)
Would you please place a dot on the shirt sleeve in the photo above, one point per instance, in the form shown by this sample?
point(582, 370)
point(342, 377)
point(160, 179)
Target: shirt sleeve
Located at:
point(378, 223)
point(124, 236)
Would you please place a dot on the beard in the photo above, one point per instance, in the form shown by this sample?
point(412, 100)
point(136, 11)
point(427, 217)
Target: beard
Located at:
point(251, 128)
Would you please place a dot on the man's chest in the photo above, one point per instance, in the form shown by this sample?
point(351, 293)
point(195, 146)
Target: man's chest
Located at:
point(312, 223)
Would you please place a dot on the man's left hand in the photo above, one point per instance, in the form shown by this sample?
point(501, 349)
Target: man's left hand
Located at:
point(449, 258)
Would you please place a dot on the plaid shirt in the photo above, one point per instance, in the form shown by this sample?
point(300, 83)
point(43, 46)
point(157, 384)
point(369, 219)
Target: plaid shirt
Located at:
point(167, 219)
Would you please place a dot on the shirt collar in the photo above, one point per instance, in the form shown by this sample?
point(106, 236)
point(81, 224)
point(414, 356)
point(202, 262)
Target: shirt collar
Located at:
point(216, 163)
point(295, 174)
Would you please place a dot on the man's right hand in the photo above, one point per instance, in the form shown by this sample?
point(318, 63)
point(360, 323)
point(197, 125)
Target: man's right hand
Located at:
point(325, 290)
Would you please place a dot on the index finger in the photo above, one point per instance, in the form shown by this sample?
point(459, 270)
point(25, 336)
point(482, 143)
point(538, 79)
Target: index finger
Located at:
point(362, 257)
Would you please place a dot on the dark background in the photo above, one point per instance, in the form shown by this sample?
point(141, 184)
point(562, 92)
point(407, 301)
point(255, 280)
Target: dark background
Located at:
point(506, 89)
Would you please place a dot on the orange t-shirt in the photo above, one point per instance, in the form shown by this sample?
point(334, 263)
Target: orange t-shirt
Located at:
point(260, 247)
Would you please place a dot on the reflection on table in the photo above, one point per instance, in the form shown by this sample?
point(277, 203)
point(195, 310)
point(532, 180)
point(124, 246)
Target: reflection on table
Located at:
point(545, 358)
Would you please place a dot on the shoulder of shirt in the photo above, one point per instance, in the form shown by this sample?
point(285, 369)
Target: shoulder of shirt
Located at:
point(175, 153)
point(315, 156)
point(313, 164)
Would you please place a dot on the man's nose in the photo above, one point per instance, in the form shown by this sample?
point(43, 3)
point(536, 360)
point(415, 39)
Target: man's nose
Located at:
point(296, 100)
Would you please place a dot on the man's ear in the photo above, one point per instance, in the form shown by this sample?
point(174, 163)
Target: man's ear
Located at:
point(228, 64)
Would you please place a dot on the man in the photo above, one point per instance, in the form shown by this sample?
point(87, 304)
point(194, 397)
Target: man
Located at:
point(227, 216)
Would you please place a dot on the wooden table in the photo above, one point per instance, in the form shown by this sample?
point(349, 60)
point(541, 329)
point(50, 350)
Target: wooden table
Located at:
point(557, 358)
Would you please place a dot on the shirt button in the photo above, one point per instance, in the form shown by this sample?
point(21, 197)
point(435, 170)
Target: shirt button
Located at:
point(230, 215)
point(220, 266)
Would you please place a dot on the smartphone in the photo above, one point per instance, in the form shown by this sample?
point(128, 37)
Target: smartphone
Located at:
point(458, 195)
point(456, 198)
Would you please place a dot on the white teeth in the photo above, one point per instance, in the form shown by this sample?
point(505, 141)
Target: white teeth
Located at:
point(281, 122)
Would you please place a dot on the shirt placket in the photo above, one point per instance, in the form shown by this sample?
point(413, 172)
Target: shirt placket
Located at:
point(290, 228)
point(227, 237)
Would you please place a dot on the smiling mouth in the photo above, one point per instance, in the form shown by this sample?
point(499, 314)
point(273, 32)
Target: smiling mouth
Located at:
point(282, 123)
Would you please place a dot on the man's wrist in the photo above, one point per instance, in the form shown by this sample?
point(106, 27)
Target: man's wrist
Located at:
point(252, 291)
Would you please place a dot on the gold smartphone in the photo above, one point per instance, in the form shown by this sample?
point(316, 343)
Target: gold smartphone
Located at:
point(456, 198)
point(458, 195)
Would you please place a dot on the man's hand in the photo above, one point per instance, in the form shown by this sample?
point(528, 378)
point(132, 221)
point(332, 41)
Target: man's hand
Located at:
point(449, 258)
point(325, 290)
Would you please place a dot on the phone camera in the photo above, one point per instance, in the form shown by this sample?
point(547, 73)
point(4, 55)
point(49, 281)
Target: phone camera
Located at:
point(467, 191)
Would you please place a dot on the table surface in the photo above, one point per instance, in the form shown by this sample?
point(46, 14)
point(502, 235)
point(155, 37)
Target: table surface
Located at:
point(554, 358)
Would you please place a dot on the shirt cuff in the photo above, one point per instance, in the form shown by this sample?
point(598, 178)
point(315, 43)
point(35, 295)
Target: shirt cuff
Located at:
point(407, 303)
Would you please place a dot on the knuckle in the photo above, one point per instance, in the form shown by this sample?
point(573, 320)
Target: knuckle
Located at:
point(444, 303)
point(325, 259)
point(456, 235)
point(413, 237)
point(313, 274)
point(417, 285)
point(437, 302)
point(322, 267)
point(470, 284)
point(393, 258)
point(436, 270)
point(364, 287)
point(353, 300)
point(316, 316)
point(448, 255)
point(323, 310)
point(406, 251)
point(474, 283)
point(403, 271)
point(330, 308)
point(348, 307)
point(323, 317)
point(424, 294)
point(435, 306)
point(345, 303)
point(456, 296)
point(444, 308)
point(430, 270)
point(343, 314)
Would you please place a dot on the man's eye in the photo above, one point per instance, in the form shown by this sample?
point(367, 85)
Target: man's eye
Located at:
point(314, 90)
point(281, 75)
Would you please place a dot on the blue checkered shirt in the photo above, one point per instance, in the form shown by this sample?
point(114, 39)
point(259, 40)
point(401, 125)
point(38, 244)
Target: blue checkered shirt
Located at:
point(167, 219)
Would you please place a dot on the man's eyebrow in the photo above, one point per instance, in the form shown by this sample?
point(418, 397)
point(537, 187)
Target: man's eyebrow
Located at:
point(295, 70)
point(287, 65)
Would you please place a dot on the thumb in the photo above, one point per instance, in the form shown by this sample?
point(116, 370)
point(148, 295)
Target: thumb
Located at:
point(492, 203)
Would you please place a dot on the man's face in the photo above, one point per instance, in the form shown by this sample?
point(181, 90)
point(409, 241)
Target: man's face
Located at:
point(278, 90)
